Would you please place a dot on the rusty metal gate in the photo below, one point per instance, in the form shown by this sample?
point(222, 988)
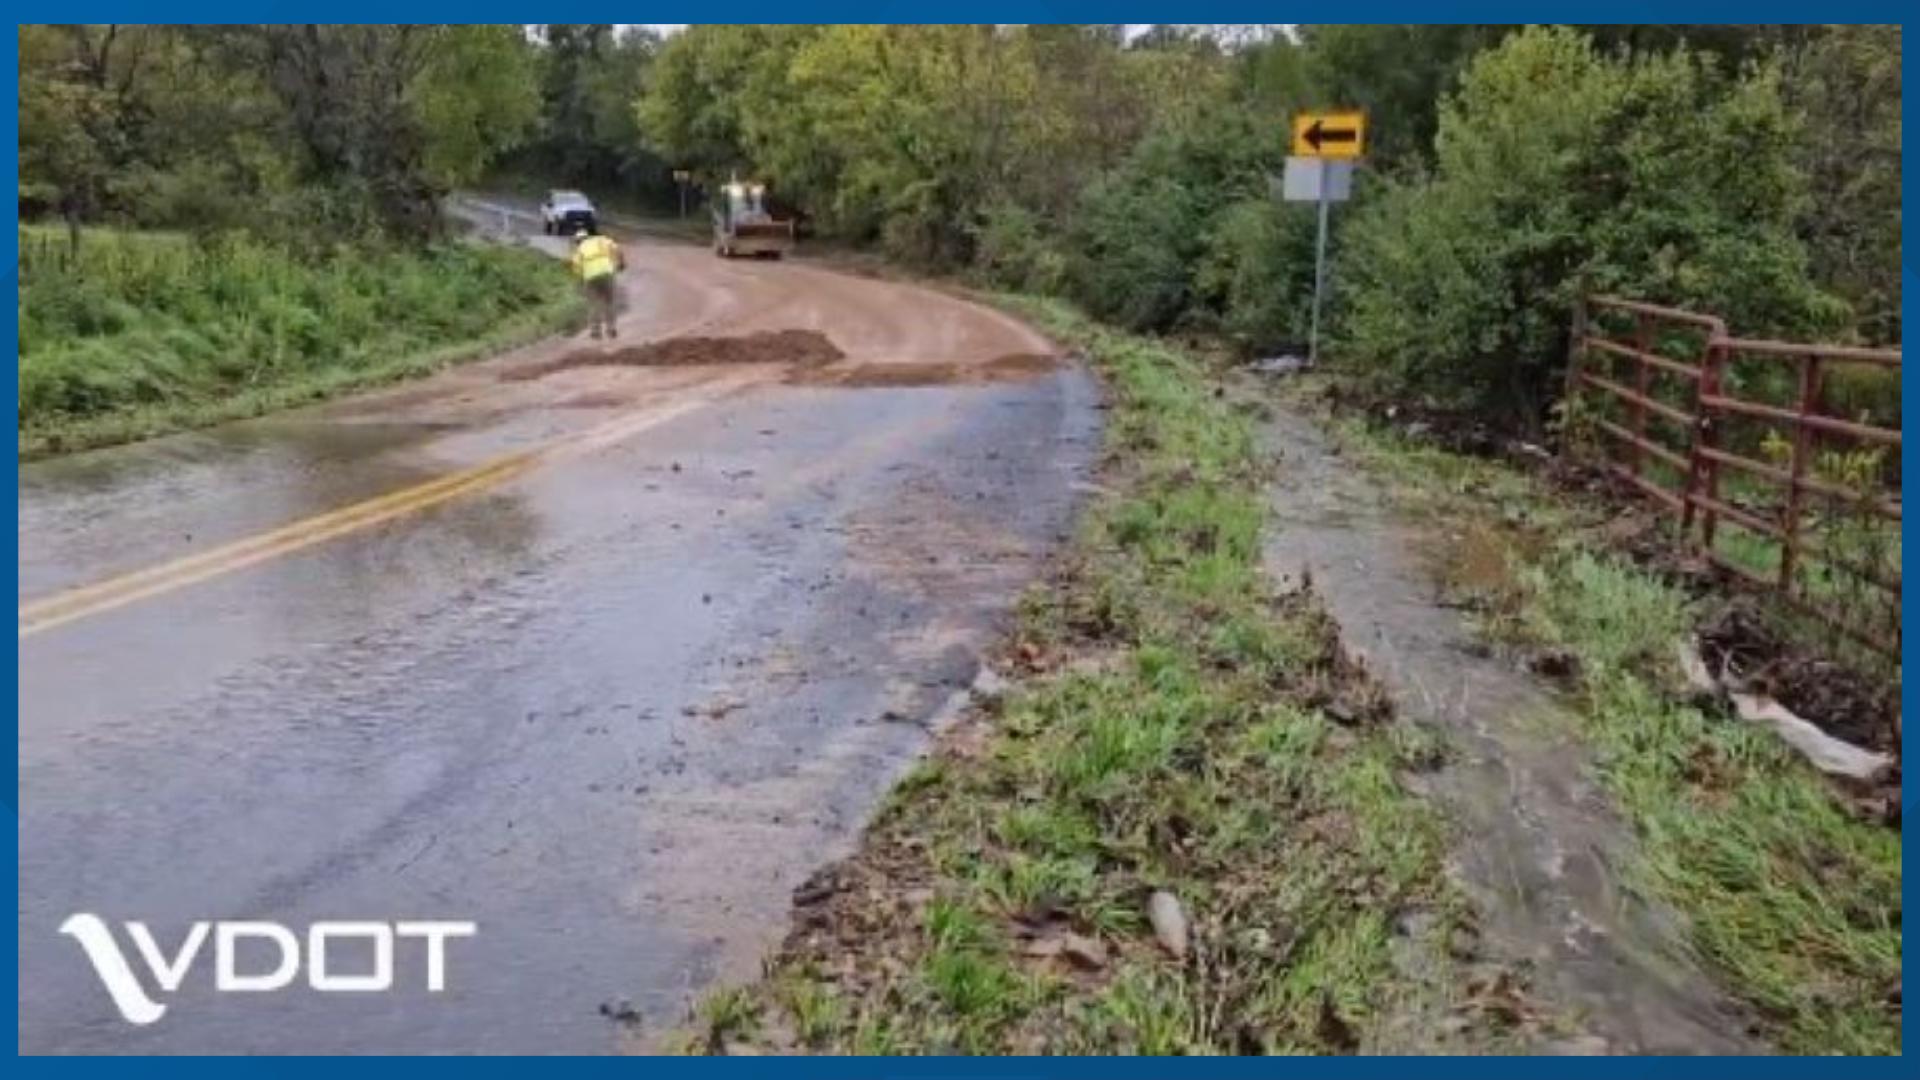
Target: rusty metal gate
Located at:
point(1776, 461)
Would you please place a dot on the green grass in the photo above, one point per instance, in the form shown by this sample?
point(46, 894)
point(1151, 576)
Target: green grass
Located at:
point(142, 333)
point(1794, 902)
point(1184, 751)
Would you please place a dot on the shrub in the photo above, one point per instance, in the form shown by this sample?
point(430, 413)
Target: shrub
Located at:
point(1560, 169)
point(1012, 250)
point(1257, 274)
point(1143, 229)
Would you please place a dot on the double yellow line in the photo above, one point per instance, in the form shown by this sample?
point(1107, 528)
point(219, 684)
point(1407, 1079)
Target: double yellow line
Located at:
point(37, 616)
point(52, 611)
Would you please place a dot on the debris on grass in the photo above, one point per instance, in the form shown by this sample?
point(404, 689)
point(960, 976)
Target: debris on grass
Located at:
point(1789, 880)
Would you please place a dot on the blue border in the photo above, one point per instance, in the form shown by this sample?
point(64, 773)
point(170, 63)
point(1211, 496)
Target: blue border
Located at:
point(824, 11)
point(214, 11)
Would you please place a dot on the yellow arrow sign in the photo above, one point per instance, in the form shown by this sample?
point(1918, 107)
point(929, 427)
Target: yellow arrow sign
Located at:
point(1341, 135)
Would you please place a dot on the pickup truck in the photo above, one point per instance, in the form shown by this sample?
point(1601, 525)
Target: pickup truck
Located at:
point(565, 212)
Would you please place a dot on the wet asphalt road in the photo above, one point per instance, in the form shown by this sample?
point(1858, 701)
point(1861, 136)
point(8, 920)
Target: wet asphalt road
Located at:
point(612, 708)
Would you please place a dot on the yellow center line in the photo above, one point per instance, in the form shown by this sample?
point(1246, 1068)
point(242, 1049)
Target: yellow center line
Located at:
point(48, 612)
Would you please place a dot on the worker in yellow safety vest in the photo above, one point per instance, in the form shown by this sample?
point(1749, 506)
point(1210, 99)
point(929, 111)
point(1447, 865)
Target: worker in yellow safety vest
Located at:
point(596, 259)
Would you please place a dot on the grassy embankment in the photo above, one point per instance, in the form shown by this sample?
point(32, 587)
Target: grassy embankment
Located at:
point(141, 333)
point(1792, 900)
point(1174, 729)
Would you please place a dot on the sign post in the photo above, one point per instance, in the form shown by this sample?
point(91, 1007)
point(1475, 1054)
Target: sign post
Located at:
point(1320, 171)
point(1319, 269)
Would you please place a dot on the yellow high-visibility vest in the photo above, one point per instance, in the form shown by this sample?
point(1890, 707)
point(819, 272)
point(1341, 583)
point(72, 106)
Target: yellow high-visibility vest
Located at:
point(596, 257)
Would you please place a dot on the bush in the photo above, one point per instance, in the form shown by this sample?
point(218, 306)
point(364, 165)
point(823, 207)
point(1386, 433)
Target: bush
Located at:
point(1559, 170)
point(1257, 274)
point(1012, 250)
point(1143, 229)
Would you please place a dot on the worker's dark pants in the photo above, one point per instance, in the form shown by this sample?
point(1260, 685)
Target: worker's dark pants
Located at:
point(600, 297)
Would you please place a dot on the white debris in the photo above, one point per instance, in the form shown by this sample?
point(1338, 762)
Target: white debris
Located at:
point(1828, 754)
point(1278, 365)
point(1836, 757)
point(1169, 922)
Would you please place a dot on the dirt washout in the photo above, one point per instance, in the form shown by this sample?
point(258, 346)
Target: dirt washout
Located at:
point(1740, 625)
point(803, 349)
point(1538, 845)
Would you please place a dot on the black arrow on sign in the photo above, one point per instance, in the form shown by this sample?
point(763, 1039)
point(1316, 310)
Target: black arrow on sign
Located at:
point(1317, 134)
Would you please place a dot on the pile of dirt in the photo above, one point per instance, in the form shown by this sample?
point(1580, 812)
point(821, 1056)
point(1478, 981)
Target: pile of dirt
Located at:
point(801, 348)
point(1010, 368)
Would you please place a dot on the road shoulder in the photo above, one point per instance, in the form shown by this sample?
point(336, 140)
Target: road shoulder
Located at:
point(1181, 826)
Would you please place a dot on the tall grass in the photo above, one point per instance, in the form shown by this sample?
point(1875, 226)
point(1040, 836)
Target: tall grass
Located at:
point(133, 333)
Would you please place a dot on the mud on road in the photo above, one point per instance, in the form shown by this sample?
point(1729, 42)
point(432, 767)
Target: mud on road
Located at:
point(612, 703)
point(796, 348)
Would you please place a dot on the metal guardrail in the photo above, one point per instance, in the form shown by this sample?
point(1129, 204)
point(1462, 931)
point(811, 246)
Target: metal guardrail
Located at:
point(1831, 534)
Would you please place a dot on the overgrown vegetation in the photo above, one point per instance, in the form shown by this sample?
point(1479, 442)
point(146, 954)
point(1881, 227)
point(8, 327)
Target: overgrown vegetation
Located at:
point(314, 134)
point(1559, 170)
point(252, 216)
point(1124, 169)
point(1510, 168)
point(1181, 729)
point(1791, 898)
point(141, 332)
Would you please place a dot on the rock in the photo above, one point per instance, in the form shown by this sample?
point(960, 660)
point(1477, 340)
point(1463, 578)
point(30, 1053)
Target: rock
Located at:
point(1169, 923)
point(740, 1049)
point(621, 1010)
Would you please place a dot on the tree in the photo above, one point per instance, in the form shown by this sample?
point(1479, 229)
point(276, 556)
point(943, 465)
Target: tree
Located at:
point(385, 119)
point(474, 98)
point(1846, 85)
point(1397, 73)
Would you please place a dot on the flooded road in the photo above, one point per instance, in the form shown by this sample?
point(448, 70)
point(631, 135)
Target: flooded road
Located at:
point(605, 660)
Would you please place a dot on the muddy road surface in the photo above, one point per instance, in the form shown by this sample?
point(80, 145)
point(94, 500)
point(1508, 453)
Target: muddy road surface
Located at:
point(599, 651)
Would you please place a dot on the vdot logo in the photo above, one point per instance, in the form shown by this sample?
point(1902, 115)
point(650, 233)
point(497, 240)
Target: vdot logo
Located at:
point(169, 973)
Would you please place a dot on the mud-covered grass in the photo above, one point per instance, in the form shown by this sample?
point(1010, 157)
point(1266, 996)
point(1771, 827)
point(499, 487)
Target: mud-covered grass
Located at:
point(1791, 898)
point(1173, 727)
point(137, 334)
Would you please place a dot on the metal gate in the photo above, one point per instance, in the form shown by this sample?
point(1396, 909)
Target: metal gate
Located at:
point(1776, 461)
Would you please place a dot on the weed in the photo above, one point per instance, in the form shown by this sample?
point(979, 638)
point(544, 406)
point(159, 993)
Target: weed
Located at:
point(731, 1014)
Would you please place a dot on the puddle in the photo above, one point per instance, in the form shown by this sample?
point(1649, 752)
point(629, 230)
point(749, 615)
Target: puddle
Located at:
point(801, 348)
